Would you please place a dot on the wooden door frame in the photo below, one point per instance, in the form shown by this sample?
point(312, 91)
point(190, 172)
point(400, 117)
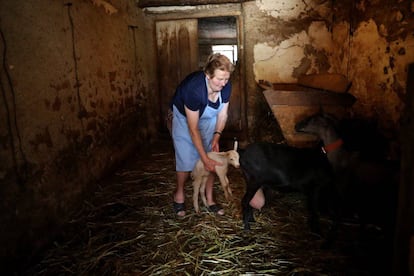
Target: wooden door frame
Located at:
point(170, 74)
point(233, 10)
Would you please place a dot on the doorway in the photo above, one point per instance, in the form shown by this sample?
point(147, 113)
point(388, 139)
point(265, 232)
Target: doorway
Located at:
point(183, 46)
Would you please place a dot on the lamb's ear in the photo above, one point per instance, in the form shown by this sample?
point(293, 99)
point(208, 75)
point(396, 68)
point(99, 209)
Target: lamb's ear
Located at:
point(236, 144)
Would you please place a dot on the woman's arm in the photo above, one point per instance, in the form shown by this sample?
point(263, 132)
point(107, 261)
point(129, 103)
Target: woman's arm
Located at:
point(192, 120)
point(220, 124)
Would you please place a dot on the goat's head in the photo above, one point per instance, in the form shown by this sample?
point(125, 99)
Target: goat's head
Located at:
point(317, 124)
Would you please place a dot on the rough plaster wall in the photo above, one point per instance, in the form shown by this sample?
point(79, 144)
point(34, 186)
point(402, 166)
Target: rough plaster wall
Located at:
point(76, 105)
point(304, 46)
point(283, 41)
point(291, 10)
point(378, 72)
point(375, 46)
point(370, 43)
point(299, 54)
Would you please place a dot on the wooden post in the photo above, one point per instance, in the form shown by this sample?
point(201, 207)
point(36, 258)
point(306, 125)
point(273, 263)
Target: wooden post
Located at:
point(403, 263)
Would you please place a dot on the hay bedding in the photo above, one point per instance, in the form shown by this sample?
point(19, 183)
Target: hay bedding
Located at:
point(129, 228)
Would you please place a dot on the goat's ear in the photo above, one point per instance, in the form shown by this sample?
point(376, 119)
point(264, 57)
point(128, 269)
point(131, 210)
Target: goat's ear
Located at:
point(321, 111)
point(236, 143)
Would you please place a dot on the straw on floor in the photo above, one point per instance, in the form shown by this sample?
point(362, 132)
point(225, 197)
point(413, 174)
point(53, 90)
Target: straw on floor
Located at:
point(129, 228)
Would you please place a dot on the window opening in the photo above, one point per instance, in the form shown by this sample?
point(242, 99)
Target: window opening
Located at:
point(217, 35)
point(229, 51)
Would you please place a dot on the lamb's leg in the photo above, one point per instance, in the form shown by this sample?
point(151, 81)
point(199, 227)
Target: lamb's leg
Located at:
point(203, 190)
point(228, 187)
point(196, 189)
point(225, 185)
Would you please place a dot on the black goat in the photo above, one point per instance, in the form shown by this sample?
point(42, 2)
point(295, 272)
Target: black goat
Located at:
point(284, 168)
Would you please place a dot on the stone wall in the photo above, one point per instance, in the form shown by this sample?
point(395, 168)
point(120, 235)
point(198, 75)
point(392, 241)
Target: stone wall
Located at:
point(369, 42)
point(74, 104)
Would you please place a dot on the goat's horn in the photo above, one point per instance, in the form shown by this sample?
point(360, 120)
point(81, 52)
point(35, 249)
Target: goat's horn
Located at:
point(236, 143)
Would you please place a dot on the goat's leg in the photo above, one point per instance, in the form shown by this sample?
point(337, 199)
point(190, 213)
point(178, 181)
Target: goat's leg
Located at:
point(313, 214)
point(335, 214)
point(246, 208)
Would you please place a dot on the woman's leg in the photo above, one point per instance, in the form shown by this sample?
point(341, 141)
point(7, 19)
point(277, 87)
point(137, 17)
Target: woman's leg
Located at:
point(209, 195)
point(179, 195)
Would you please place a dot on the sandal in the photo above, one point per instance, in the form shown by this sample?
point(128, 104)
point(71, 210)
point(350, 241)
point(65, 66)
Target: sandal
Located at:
point(179, 209)
point(216, 208)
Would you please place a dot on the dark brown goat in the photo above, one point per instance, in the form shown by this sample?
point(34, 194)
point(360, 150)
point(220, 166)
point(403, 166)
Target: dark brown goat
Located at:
point(368, 187)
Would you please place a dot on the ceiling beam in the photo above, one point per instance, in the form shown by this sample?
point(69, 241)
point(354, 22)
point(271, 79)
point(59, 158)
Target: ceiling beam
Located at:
point(160, 3)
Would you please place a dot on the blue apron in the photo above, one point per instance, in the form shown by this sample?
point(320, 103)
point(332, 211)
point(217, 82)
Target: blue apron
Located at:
point(186, 155)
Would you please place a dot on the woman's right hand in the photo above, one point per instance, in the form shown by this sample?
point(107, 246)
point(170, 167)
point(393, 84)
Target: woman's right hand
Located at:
point(210, 164)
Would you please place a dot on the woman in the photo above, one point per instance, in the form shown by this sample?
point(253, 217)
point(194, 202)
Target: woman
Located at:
point(199, 106)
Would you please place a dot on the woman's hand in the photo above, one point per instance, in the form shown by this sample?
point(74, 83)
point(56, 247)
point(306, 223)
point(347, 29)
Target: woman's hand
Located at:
point(210, 164)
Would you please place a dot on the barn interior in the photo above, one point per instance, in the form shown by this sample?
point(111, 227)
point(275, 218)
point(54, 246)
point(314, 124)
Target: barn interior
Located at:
point(87, 163)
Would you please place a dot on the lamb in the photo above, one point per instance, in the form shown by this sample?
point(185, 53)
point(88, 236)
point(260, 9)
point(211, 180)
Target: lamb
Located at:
point(200, 175)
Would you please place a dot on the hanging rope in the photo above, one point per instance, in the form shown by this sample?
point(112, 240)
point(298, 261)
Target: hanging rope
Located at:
point(82, 111)
point(350, 35)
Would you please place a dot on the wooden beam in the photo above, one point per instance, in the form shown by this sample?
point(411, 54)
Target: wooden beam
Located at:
point(404, 248)
point(308, 98)
point(160, 3)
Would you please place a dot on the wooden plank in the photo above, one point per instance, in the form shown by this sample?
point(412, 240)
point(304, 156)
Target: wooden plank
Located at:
point(160, 3)
point(177, 51)
point(307, 98)
point(403, 263)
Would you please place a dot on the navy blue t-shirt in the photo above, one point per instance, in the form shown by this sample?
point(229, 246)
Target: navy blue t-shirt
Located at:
point(192, 92)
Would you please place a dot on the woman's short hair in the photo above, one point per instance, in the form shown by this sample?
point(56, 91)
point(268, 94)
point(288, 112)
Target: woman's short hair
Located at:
point(218, 61)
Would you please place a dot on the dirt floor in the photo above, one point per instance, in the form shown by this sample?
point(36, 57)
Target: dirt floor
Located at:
point(129, 228)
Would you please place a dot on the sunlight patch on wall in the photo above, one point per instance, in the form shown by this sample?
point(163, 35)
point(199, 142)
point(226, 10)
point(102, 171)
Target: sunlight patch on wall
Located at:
point(319, 36)
point(276, 64)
